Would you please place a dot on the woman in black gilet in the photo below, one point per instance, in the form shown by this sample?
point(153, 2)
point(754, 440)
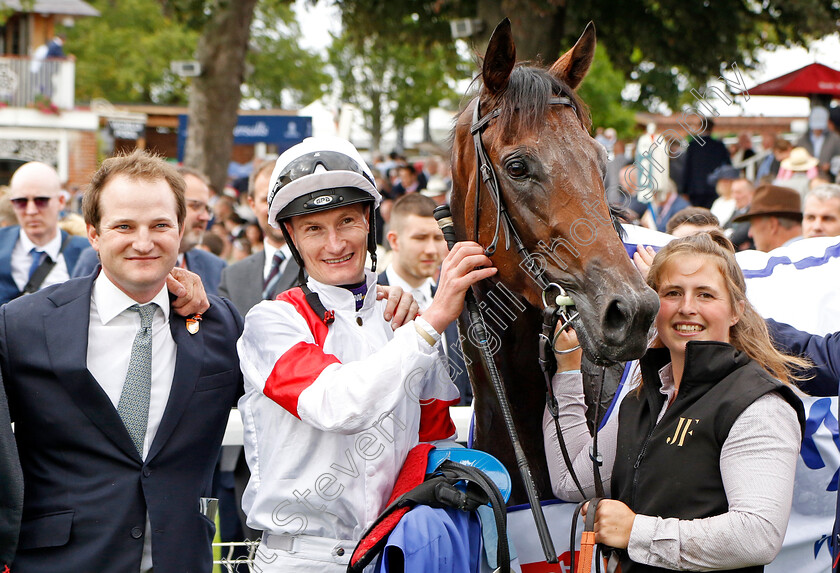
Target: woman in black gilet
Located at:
point(700, 461)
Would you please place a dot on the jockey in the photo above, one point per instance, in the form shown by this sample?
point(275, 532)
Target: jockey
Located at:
point(334, 397)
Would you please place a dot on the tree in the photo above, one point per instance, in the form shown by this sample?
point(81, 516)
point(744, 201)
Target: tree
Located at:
point(216, 93)
point(283, 74)
point(602, 93)
point(123, 55)
point(393, 81)
point(664, 45)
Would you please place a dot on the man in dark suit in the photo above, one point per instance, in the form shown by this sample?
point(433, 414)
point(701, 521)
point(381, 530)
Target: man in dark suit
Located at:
point(36, 253)
point(703, 155)
point(265, 274)
point(206, 265)
point(11, 488)
point(120, 405)
point(417, 248)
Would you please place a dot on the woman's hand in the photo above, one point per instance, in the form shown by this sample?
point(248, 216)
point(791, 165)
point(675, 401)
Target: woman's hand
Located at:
point(613, 523)
point(564, 341)
point(643, 259)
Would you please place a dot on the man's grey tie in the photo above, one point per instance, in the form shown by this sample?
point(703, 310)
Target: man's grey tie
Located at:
point(133, 407)
point(273, 275)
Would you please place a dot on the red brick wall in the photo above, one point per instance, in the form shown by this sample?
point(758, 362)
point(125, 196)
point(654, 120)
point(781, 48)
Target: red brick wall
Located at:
point(81, 157)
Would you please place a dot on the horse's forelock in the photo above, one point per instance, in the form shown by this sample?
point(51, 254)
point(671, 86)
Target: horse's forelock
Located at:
point(524, 102)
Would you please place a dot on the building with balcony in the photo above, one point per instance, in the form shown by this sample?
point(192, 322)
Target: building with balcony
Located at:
point(39, 120)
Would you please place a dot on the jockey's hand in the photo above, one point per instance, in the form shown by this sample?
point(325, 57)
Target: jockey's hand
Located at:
point(461, 268)
point(643, 259)
point(563, 341)
point(186, 286)
point(613, 523)
point(401, 306)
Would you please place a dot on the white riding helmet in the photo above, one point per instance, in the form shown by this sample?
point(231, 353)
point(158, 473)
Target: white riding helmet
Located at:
point(317, 174)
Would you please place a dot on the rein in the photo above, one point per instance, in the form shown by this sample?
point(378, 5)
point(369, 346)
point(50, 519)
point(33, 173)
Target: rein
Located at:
point(553, 311)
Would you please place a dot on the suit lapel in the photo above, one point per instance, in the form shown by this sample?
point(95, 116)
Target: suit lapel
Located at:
point(190, 350)
point(68, 356)
point(252, 282)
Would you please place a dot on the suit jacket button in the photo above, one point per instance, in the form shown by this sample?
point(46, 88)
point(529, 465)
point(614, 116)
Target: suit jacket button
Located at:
point(136, 532)
point(147, 472)
point(359, 321)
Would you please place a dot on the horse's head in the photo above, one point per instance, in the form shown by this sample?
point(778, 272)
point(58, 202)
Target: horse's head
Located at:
point(534, 130)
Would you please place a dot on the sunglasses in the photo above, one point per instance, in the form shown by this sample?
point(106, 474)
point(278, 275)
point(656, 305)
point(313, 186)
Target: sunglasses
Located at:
point(20, 203)
point(329, 160)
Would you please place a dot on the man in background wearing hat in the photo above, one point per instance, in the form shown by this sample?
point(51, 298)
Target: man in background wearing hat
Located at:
point(819, 141)
point(722, 178)
point(335, 398)
point(775, 217)
point(797, 170)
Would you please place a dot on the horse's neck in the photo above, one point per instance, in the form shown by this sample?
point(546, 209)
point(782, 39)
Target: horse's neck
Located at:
point(513, 333)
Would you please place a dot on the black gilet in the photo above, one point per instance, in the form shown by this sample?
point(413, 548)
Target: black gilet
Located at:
point(672, 469)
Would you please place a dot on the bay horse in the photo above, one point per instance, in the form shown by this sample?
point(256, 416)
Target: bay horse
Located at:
point(528, 130)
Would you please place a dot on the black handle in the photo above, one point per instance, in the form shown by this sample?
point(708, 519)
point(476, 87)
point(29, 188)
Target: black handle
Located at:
point(443, 216)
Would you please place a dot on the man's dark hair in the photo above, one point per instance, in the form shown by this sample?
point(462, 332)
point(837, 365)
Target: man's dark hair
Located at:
point(698, 216)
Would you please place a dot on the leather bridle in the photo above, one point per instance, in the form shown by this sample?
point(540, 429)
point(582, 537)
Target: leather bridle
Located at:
point(486, 173)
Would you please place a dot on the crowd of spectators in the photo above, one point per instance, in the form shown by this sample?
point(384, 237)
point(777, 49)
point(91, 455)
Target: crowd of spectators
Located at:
point(758, 197)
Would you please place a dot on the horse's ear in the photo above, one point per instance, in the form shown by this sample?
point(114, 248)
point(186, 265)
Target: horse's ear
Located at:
point(573, 65)
point(499, 58)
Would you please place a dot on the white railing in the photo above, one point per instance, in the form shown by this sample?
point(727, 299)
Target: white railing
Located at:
point(29, 82)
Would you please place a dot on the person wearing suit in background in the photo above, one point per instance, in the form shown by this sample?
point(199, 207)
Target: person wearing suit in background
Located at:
point(265, 274)
point(35, 253)
point(206, 265)
point(118, 460)
point(418, 247)
point(11, 488)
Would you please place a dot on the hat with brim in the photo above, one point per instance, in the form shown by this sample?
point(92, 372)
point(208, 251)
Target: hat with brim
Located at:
point(723, 172)
point(436, 187)
point(773, 201)
point(799, 160)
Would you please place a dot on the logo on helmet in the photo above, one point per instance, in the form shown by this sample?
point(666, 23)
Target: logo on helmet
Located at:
point(323, 200)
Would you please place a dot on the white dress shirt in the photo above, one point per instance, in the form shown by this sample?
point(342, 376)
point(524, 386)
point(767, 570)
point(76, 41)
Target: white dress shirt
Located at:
point(422, 294)
point(269, 251)
point(22, 261)
point(110, 338)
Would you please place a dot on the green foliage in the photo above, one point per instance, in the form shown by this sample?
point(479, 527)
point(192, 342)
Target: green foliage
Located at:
point(601, 90)
point(124, 54)
point(666, 46)
point(280, 66)
point(395, 81)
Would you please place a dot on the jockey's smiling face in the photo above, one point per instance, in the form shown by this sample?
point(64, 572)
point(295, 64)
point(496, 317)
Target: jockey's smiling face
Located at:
point(333, 243)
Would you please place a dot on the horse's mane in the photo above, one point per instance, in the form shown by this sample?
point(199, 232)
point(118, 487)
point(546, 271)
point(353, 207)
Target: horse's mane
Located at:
point(524, 102)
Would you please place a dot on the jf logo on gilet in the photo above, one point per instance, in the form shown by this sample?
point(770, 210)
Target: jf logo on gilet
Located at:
point(682, 431)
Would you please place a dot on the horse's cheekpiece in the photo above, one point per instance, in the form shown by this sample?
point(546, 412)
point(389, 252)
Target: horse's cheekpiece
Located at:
point(193, 323)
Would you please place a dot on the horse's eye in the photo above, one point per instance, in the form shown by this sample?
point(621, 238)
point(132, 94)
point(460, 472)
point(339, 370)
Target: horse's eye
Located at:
point(517, 169)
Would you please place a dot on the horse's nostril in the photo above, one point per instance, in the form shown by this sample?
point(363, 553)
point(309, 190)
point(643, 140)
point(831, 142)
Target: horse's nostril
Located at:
point(615, 318)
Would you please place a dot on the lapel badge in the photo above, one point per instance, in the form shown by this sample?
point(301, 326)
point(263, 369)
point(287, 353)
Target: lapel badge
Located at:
point(193, 323)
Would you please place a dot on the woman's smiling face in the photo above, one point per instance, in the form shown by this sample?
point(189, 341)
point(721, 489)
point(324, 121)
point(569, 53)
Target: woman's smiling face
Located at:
point(694, 303)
